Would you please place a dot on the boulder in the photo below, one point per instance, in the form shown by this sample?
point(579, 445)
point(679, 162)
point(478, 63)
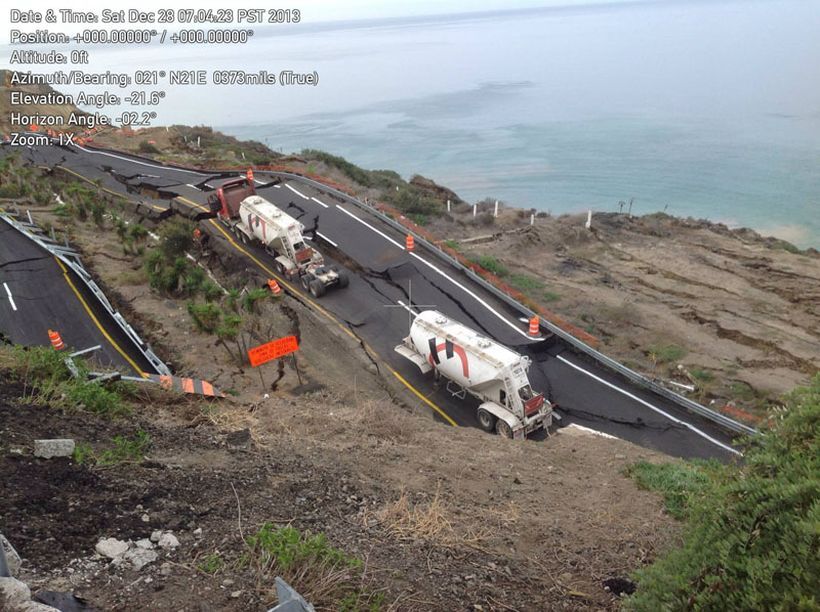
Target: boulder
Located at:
point(111, 548)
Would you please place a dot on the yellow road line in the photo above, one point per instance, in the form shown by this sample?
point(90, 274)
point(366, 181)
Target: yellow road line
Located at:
point(97, 322)
point(331, 318)
point(423, 398)
point(192, 203)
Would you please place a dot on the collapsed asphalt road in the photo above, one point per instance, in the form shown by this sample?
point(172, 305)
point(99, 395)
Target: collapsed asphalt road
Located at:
point(382, 276)
point(38, 293)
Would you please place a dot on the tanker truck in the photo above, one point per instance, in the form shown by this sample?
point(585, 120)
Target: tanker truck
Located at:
point(474, 364)
point(254, 219)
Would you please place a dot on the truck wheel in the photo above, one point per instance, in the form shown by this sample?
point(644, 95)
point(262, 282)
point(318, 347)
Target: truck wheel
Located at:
point(305, 280)
point(344, 280)
point(486, 420)
point(280, 268)
point(503, 430)
point(317, 288)
point(243, 237)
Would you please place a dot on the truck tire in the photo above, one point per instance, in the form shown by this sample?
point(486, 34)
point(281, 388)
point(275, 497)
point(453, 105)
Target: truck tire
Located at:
point(344, 280)
point(317, 288)
point(502, 429)
point(280, 268)
point(305, 280)
point(243, 237)
point(486, 420)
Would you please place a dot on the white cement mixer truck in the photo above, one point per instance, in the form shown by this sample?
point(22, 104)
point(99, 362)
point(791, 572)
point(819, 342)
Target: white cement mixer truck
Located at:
point(253, 219)
point(474, 364)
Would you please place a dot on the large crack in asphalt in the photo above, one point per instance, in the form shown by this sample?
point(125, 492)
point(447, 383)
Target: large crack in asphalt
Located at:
point(25, 260)
point(456, 301)
point(638, 423)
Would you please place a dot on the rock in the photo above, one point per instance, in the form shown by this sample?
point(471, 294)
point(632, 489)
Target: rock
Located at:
point(47, 449)
point(144, 543)
point(165, 569)
point(111, 548)
point(620, 456)
point(145, 518)
point(517, 480)
point(156, 535)
point(236, 594)
point(16, 593)
point(139, 557)
point(239, 439)
point(198, 532)
point(228, 582)
point(12, 558)
point(168, 541)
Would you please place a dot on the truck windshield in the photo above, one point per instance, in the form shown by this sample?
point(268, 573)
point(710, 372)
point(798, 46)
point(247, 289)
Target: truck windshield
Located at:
point(298, 246)
point(525, 393)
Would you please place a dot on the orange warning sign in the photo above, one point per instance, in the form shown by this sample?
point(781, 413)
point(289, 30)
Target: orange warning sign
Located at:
point(272, 350)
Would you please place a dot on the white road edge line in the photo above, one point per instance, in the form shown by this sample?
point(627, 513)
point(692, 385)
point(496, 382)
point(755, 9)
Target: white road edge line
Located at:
point(327, 239)
point(297, 192)
point(651, 407)
point(320, 203)
point(192, 186)
point(588, 430)
point(277, 186)
point(382, 234)
point(141, 163)
point(11, 299)
point(407, 308)
point(480, 301)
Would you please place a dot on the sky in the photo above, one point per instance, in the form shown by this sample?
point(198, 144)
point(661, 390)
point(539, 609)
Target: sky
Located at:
point(313, 11)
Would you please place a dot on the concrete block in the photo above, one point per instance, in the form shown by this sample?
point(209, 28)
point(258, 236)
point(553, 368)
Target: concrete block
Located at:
point(47, 449)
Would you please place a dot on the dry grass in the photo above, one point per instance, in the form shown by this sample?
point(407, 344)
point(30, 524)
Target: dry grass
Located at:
point(428, 520)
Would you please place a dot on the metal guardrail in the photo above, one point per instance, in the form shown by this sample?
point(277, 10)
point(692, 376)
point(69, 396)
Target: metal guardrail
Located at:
point(608, 362)
point(71, 259)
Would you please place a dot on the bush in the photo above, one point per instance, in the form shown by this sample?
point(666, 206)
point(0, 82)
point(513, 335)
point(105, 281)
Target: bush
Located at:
point(205, 316)
point(352, 171)
point(95, 398)
point(752, 536)
point(147, 147)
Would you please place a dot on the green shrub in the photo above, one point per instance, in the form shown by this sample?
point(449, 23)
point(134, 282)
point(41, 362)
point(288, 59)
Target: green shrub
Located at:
point(286, 546)
point(324, 575)
point(752, 536)
point(253, 297)
point(125, 450)
point(206, 316)
point(146, 147)
point(352, 171)
point(452, 244)
point(95, 398)
point(551, 296)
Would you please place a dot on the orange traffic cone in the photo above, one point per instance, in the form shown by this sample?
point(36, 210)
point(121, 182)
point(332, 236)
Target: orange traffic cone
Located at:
point(410, 242)
point(274, 287)
point(535, 329)
point(249, 174)
point(56, 341)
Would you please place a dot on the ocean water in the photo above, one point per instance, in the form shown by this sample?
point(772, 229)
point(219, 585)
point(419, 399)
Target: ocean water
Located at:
point(703, 108)
point(709, 110)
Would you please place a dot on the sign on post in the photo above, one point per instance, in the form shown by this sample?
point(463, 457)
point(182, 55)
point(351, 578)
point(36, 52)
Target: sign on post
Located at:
point(272, 350)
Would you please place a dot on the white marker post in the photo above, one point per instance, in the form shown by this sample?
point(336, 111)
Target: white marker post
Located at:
point(588, 224)
point(532, 218)
point(448, 205)
point(495, 212)
point(475, 209)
